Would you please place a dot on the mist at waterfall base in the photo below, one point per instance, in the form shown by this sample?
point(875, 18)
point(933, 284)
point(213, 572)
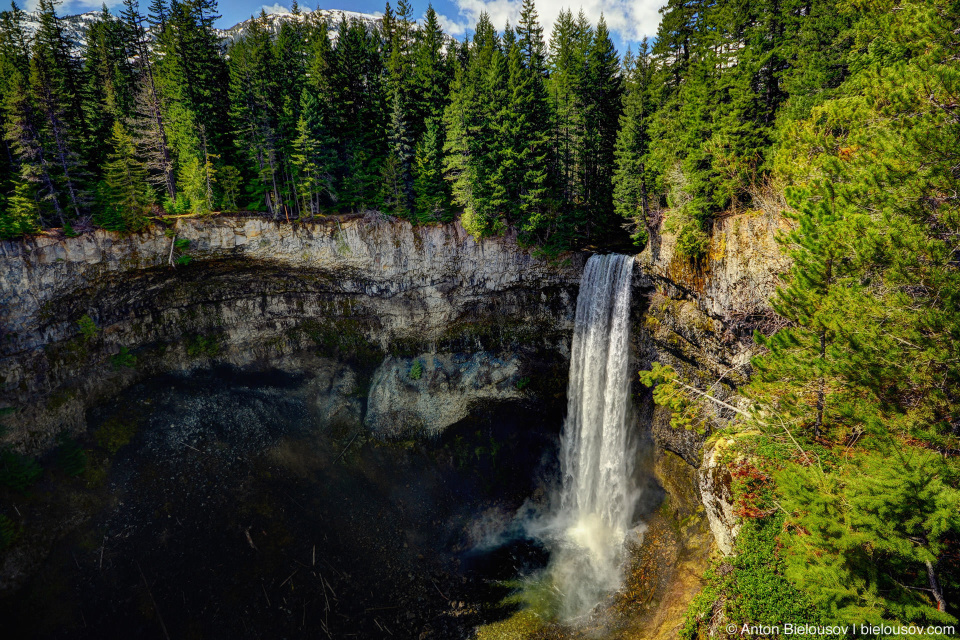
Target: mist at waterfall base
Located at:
point(589, 519)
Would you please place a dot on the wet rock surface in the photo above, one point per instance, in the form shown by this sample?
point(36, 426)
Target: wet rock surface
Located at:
point(423, 395)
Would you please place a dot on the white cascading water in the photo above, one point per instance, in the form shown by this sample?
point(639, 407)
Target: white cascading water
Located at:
point(598, 495)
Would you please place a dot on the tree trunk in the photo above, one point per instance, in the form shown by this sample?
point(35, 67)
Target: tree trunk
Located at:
point(935, 587)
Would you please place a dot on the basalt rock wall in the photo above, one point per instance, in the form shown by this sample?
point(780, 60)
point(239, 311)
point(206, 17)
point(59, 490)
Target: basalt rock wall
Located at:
point(420, 323)
point(255, 292)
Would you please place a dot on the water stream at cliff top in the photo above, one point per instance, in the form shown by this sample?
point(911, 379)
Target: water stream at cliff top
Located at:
point(598, 494)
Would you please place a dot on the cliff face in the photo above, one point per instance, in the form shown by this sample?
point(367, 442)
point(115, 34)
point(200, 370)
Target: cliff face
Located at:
point(255, 293)
point(700, 319)
point(407, 328)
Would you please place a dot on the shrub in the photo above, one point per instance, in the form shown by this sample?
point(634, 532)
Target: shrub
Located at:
point(123, 359)
point(115, 434)
point(70, 456)
point(203, 346)
point(88, 328)
point(18, 471)
point(8, 531)
point(692, 241)
point(416, 370)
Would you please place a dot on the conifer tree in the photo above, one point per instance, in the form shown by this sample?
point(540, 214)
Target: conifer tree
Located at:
point(526, 125)
point(398, 176)
point(631, 181)
point(569, 43)
point(22, 213)
point(254, 96)
point(356, 92)
point(432, 195)
point(110, 81)
point(125, 195)
point(604, 93)
point(147, 119)
point(54, 84)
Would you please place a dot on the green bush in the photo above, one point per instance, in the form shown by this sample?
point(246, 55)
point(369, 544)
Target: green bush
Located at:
point(202, 346)
point(115, 434)
point(416, 370)
point(18, 471)
point(70, 456)
point(8, 531)
point(692, 241)
point(88, 328)
point(751, 585)
point(123, 359)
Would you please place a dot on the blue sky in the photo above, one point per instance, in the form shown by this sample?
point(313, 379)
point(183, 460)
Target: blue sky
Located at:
point(629, 20)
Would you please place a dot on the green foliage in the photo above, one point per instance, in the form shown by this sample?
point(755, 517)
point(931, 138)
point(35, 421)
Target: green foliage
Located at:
point(203, 346)
point(71, 457)
point(8, 532)
point(180, 246)
point(697, 617)
point(855, 398)
point(88, 328)
point(115, 433)
point(692, 240)
point(757, 589)
point(125, 196)
point(523, 383)
point(123, 359)
point(17, 471)
point(416, 370)
point(21, 213)
point(668, 391)
point(868, 530)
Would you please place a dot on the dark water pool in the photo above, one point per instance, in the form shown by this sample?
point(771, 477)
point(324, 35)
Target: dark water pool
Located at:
point(233, 514)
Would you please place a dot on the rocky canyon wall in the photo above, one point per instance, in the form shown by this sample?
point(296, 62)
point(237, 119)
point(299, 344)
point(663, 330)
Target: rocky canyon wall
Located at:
point(365, 290)
point(408, 328)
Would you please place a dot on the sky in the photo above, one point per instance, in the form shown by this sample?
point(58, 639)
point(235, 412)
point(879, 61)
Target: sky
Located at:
point(628, 20)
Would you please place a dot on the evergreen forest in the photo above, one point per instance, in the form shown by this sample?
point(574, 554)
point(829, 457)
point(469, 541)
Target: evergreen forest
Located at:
point(840, 116)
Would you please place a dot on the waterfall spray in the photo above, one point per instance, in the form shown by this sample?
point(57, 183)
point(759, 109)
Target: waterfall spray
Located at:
point(598, 495)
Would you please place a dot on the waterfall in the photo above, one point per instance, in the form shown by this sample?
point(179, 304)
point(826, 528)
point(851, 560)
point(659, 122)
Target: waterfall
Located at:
point(598, 494)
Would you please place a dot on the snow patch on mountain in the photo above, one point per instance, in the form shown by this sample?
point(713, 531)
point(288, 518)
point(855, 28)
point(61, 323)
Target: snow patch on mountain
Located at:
point(75, 27)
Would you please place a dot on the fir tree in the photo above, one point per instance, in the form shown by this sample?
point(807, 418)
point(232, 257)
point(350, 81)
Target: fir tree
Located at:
point(125, 195)
point(631, 182)
point(604, 93)
point(432, 195)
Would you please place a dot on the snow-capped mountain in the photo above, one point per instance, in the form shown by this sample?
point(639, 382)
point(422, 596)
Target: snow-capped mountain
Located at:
point(275, 20)
point(75, 27)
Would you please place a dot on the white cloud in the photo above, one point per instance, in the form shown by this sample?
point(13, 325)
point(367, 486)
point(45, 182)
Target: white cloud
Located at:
point(630, 19)
point(275, 8)
point(453, 27)
point(82, 6)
